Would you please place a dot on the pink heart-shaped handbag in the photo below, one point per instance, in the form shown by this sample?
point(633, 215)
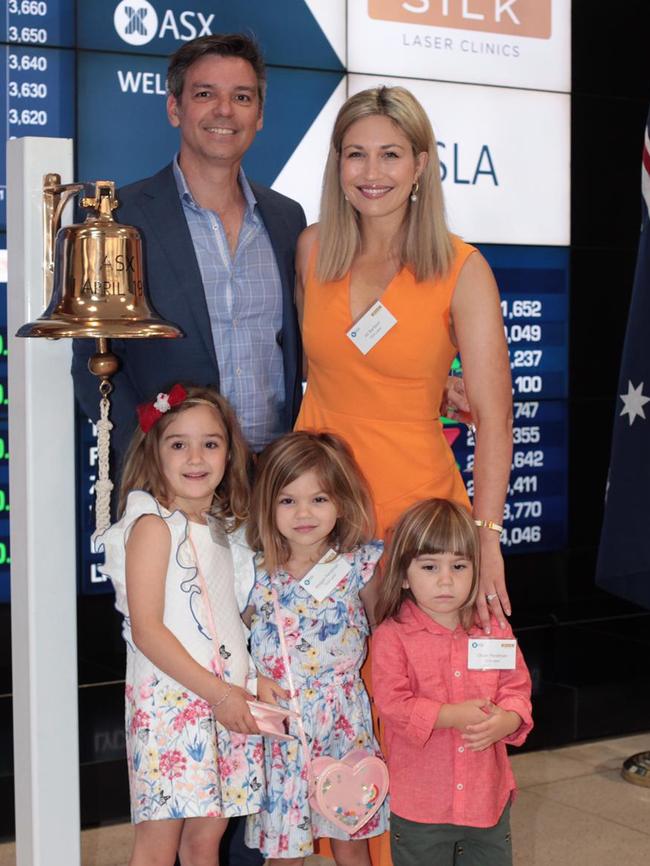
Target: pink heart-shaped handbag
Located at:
point(349, 791)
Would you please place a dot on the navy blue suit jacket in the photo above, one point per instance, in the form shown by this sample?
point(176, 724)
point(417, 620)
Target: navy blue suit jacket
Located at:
point(176, 293)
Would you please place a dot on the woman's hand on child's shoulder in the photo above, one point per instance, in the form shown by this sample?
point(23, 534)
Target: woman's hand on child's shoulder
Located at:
point(269, 691)
point(499, 723)
point(233, 712)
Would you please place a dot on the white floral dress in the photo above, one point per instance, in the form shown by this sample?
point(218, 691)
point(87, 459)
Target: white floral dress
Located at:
point(326, 642)
point(182, 764)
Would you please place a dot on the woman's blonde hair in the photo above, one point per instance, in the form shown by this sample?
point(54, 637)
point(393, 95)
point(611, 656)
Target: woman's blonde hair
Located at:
point(330, 458)
point(143, 470)
point(426, 245)
point(428, 527)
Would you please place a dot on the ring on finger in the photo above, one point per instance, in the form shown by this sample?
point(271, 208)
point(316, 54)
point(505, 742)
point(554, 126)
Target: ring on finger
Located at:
point(490, 597)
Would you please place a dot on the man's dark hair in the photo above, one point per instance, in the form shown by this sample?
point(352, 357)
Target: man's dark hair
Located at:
point(223, 45)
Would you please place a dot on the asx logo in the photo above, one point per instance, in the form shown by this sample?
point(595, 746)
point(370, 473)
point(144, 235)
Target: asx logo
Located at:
point(136, 22)
point(515, 17)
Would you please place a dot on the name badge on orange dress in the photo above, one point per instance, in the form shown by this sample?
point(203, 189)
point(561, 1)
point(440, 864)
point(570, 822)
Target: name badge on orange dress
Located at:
point(371, 327)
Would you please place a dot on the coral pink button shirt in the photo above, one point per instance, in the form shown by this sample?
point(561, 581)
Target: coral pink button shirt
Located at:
point(418, 665)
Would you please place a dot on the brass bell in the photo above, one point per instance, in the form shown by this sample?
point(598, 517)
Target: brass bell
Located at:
point(94, 274)
point(94, 288)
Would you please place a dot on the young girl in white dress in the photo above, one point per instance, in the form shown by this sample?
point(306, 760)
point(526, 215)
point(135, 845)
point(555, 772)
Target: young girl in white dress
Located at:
point(172, 558)
point(310, 497)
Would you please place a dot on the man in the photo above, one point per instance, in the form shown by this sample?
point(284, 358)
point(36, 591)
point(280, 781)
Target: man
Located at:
point(219, 256)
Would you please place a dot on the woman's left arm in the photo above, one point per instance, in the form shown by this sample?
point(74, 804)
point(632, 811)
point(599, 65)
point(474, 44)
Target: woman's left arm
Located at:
point(477, 326)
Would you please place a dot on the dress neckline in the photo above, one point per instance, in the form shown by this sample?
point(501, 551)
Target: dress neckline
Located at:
point(348, 294)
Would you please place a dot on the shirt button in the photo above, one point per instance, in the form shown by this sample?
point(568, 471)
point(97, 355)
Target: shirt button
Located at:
point(461, 749)
point(238, 371)
point(456, 673)
point(459, 786)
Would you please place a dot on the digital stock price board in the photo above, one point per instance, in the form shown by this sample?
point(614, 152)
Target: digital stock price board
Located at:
point(93, 70)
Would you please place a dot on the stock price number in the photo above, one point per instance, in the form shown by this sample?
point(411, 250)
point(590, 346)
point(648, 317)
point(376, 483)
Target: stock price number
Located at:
point(522, 333)
point(515, 535)
point(4, 453)
point(524, 510)
point(4, 500)
point(526, 358)
point(28, 90)
point(27, 63)
point(27, 117)
point(521, 309)
point(29, 35)
point(28, 7)
point(520, 460)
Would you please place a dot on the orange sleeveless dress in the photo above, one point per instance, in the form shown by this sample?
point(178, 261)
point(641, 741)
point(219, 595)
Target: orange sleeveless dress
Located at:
point(386, 403)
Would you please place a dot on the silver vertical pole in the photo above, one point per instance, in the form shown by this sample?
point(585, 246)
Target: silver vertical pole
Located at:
point(42, 524)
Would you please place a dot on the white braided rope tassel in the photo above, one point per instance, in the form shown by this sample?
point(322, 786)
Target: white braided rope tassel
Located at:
point(103, 485)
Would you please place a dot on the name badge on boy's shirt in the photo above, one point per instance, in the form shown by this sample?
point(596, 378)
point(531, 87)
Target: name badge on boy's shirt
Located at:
point(325, 575)
point(371, 327)
point(492, 653)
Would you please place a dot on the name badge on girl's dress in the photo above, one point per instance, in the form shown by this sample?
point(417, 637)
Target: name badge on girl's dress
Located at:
point(371, 327)
point(328, 572)
point(491, 653)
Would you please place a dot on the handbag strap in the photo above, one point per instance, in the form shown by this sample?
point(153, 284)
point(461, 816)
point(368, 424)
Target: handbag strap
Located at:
point(293, 695)
point(217, 667)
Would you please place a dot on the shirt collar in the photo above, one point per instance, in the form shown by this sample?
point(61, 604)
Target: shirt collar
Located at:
point(413, 619)
point(187, 197)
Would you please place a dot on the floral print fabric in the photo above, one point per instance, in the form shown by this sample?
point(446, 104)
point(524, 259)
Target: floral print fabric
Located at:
point(326, 642)
point(181, 763)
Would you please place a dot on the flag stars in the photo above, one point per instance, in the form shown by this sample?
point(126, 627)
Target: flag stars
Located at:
point(633, 402)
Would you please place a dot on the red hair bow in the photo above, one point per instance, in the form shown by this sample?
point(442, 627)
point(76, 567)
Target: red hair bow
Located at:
point(149, 413)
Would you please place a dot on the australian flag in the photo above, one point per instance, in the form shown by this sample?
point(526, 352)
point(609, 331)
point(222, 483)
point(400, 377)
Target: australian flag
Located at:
point(624, 556)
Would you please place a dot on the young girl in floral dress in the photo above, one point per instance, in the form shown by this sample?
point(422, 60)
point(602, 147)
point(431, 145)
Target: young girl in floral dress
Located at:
point(311, 502)
point(172, 558)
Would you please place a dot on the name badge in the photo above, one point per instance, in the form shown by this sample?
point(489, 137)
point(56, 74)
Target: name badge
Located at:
point(371, 327)
point(325, 575)
point(491, 653)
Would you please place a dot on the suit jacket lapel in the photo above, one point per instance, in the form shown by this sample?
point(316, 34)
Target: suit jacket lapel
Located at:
point(184, 288)
point(278, 232)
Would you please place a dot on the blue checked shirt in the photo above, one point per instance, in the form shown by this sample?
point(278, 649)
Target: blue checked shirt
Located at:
point(244, 298)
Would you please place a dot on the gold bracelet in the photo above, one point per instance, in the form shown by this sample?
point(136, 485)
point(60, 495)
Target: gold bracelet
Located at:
point(489, 524)
point(223, 699)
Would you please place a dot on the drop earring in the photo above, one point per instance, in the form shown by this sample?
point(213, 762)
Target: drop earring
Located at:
point(414, 191)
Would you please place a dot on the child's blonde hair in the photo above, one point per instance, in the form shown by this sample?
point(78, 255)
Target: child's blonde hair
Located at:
point(428, 527)
point(330, 458)
point(143, 471)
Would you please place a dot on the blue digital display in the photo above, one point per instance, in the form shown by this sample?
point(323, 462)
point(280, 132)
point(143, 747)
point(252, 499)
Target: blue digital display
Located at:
point(131, 92)
point(95, 70)
point(39, 86)
point(38, 22)
point(4, 438)
point(286, 29)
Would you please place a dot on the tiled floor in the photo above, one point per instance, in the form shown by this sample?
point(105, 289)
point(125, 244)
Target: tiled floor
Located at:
point(574, 809)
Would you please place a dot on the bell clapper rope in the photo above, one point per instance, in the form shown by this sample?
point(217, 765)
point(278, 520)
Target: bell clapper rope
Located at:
point(103, 364)
point(103, 485)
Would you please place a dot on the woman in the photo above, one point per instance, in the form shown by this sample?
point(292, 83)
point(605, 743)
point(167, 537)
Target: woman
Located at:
point(382, 236)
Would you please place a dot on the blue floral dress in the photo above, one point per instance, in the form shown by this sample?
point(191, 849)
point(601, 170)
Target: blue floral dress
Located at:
point(182, 764)
point(326, 642)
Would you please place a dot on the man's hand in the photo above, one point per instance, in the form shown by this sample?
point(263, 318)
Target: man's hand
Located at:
point(454, 401)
